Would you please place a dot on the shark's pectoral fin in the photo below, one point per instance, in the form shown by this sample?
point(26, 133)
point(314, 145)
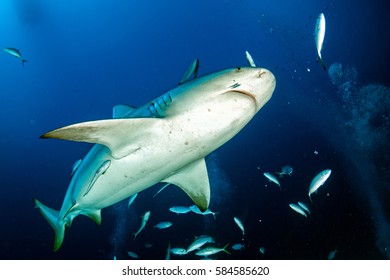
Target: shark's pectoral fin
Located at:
point(121, 136)
point(193, 180)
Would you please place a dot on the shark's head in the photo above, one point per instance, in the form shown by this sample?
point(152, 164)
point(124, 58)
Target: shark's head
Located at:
point(257, 83)
point(241, 84)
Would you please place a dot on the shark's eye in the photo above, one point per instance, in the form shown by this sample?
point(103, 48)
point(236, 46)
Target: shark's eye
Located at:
point(238, 69)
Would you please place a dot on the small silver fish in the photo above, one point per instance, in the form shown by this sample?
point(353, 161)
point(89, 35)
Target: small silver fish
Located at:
point(297, 209)
point(180, 209)
point(318, 181)
point(304, 207)
point(332, 254)
point(286, 170)
point(199, 242)
point(132, 255)
point(262, 250)
point(163, 225)
point(145, 218)
point(250, 59)
point(178, 251)
point(272, 178)
point(238, 246)
point(212, 250)
point(240, 225)
point(131, 200)
point(319, 35)
point(16, 53)
point(160, 190)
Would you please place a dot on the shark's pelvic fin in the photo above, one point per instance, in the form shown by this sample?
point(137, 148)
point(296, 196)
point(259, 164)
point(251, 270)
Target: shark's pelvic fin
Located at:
point(121, 111)
point(119, 135)
point(51, 216)
point(194, 181)
point(95, 215)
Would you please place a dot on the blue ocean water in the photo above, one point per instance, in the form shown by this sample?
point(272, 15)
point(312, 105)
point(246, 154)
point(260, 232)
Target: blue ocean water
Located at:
point(84, 57)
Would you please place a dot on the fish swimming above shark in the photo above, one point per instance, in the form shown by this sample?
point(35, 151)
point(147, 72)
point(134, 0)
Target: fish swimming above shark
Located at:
point(319, 35)
point(16, 53)
point(164, 141)
point(250, 60)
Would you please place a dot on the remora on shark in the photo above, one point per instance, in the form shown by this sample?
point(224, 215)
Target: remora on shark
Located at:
point(166, 140)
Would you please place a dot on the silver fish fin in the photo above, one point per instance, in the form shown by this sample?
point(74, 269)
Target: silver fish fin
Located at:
point(194, 181)
point(121, 136)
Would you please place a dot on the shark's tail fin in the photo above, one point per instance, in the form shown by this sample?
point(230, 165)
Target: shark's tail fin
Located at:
point(23, 61)
point(51, 216)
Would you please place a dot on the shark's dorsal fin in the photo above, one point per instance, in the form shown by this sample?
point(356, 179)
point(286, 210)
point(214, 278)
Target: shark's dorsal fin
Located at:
point(121, 136)
point(120, 111)
point(194, 181)
point(191, 70)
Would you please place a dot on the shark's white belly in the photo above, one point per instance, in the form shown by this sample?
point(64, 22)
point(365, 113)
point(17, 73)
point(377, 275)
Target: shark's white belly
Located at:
point(164, 140)
point(173, 144)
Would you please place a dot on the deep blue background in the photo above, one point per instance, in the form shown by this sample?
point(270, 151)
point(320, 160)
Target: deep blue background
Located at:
point(84, 57)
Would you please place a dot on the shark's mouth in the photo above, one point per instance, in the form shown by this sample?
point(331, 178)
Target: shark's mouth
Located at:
point(247, 94)
point(235, 88)
point(243, 92)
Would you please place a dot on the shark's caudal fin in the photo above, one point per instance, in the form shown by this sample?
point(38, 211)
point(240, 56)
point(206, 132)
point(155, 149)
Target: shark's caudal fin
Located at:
point(51, 216)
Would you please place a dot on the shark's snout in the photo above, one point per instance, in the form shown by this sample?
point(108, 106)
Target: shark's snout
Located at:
point(263, 84)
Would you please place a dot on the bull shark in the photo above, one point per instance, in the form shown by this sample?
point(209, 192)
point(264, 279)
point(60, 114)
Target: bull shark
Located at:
point(166, 140)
